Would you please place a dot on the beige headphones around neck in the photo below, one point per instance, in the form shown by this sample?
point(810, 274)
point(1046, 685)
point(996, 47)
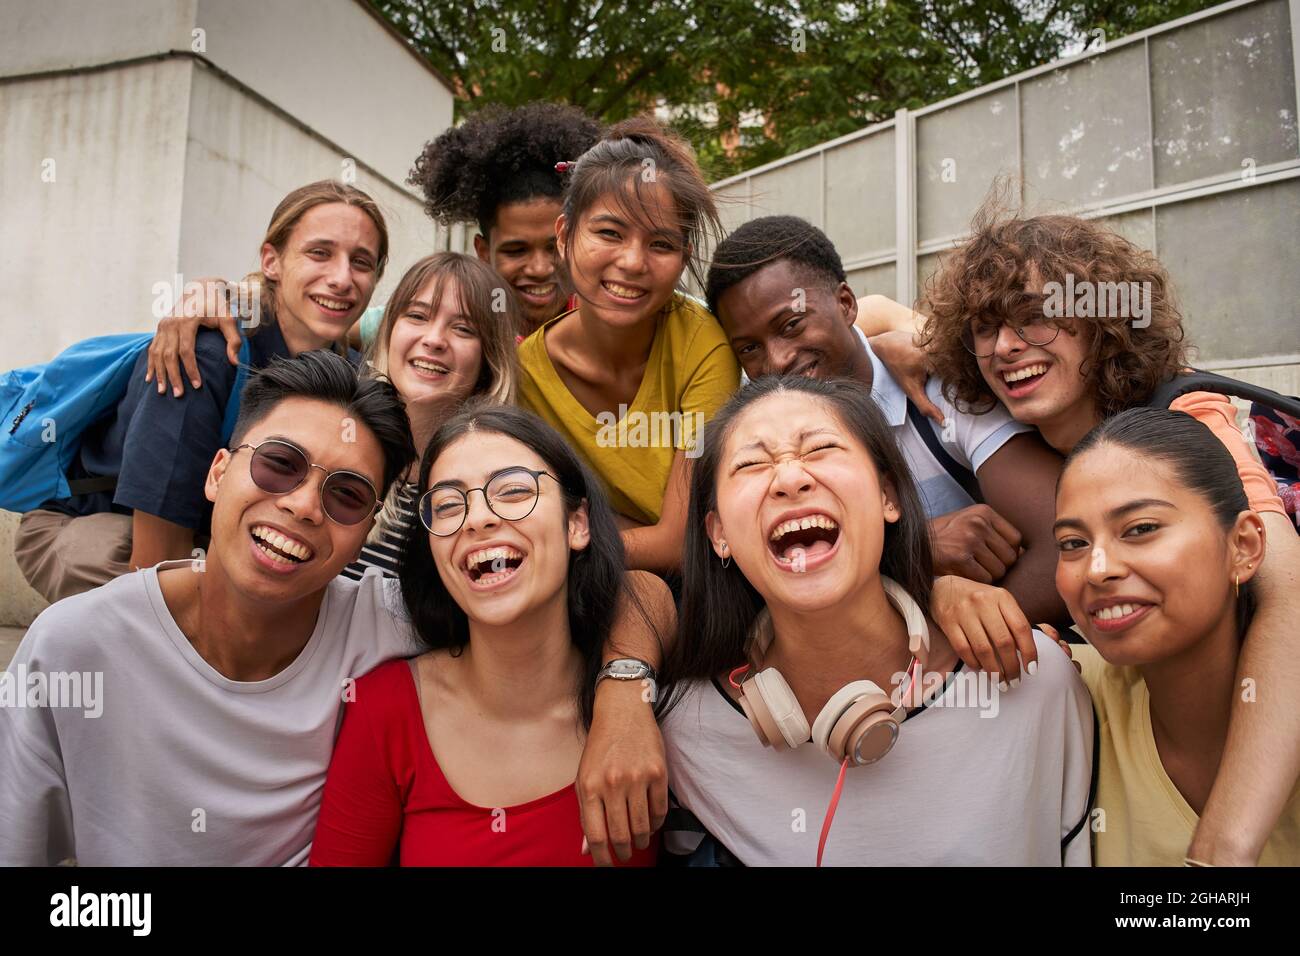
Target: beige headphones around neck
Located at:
point(859, 722)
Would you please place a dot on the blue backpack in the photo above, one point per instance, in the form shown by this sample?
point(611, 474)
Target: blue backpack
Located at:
point(45, 410)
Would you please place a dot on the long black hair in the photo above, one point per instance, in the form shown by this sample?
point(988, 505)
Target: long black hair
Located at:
point(719, 604)
point(1199, 460)
point(595, 581)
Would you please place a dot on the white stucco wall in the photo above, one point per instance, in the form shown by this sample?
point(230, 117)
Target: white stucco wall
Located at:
point(75, 250)
point(242, 158)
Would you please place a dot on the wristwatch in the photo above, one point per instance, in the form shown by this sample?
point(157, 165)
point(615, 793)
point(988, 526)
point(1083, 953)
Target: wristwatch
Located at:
point(629, 668)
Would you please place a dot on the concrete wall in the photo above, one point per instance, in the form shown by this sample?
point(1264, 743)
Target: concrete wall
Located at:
point(142, 138)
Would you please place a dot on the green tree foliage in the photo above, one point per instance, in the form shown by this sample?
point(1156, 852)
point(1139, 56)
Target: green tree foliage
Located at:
point(749, 81)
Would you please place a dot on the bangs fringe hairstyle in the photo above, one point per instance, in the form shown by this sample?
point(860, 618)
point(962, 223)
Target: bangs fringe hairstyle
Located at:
point(489, 305)
point(595, 584)
point(719, 604)
point(289, 213)
point(634, 154)
point(1199, 461)
point(984, 279)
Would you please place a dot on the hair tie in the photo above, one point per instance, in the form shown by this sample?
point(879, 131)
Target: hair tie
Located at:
point(564, 166)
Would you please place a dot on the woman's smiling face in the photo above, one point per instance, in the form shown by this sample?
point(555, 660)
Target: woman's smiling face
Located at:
point(499, 570)
point(434, 350)
point(800, 504)
point(625, 266)
point(1144, 567)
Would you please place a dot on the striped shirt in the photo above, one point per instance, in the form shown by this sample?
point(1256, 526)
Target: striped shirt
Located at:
point(383, 548)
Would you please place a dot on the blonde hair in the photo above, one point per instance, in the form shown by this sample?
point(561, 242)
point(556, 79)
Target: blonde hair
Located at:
point(487, 302)
point(288, 214)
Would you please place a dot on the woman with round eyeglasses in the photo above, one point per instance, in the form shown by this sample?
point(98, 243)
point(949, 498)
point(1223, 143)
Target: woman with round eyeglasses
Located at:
point(467, 754)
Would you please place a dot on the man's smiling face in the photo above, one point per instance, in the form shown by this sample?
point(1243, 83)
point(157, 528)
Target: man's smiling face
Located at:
point(787, 319)
point(284, 547)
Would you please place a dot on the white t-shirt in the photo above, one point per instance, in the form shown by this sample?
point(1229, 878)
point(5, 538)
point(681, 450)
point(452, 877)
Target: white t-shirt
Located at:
point(182, 766)
point(958, 789)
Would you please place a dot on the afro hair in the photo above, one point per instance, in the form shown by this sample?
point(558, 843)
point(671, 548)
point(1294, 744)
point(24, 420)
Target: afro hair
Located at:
point(500, 156)
point(765, 240)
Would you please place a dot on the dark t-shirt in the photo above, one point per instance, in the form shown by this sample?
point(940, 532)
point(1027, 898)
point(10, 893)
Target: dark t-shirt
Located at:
point(159, 447)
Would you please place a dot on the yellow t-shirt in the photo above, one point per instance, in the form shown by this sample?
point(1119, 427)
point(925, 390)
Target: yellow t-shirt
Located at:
point(690, 374)
point(1146, 821)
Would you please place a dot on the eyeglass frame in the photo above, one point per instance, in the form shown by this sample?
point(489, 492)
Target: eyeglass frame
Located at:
point(465, 493)
point(1015, 326)
point(379, 501)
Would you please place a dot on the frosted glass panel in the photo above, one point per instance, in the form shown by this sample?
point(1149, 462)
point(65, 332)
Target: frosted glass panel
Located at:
point(1232, 257)
point(1223, 94)
point(959, 152)
point(1086, 130)
point(792, 190)
point(860, 196)
point(1137, 227)
point(880, 280)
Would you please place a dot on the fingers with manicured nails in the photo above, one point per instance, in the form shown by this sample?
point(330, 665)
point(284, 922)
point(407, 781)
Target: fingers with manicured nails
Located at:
point(1023, 635)
point(1004, 646)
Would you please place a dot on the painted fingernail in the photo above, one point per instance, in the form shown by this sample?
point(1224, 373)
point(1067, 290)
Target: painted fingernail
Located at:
point(1032, 667)
point(585, 849)
point(1002, 686)
point(1015, 682)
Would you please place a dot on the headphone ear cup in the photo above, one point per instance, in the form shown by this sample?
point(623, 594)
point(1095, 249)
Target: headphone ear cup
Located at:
point(858, 723)
point(774, 711)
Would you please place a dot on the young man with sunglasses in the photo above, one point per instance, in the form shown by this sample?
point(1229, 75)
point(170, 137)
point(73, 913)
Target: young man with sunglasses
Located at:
point(185, 714)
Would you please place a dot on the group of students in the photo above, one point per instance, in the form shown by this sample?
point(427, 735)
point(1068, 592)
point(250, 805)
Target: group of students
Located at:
point(578, 552)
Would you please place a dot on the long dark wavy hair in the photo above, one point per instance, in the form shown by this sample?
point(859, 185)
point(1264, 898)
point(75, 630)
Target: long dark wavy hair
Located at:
point(719, 604)
point(595, 581)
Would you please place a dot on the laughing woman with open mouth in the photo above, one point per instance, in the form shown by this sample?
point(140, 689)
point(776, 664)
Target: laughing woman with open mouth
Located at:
point(806, 570)
point(467, 754)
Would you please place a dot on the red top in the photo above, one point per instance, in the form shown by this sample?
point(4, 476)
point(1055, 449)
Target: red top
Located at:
point(386, 799)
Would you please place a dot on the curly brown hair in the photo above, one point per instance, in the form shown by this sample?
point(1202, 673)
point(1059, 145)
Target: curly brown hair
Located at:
point(986, 277)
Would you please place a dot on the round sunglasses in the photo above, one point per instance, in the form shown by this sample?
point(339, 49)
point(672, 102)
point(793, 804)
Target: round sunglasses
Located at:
point(511, 494)
point(278, 467)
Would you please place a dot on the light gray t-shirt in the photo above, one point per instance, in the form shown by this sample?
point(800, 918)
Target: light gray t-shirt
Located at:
point(181, 766)
point(969, 782)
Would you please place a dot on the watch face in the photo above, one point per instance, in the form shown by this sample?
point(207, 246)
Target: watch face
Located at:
point(627, 670)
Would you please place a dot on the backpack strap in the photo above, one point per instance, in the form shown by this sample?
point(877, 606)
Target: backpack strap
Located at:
point(1198, 380)
point(964, 477)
